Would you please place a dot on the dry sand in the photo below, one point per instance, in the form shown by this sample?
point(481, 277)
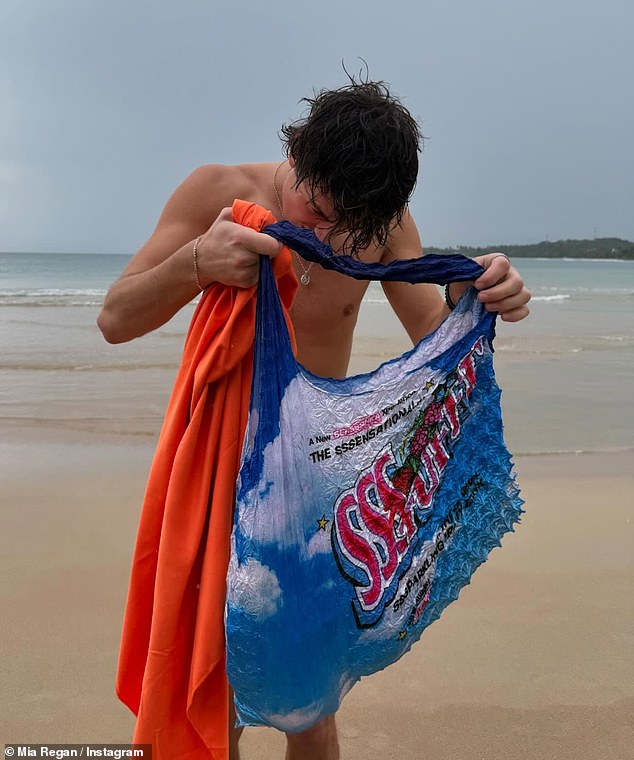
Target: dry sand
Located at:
point(535, 660)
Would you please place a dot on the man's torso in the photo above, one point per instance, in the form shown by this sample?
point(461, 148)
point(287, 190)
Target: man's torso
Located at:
point(324, 312)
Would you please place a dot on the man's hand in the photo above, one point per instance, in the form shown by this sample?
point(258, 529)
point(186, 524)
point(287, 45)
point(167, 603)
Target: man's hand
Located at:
point(502, 288)
point(230, 253)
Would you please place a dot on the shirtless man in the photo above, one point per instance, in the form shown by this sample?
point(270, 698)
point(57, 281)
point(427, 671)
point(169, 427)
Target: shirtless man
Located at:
point(351, 168)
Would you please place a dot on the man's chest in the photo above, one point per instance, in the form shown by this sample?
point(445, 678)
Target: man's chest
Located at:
point(326, 303)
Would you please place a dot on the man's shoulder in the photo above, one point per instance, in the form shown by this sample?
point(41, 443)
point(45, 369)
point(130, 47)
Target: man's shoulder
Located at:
point(242, 175)
point(222, 183)
point(404, 241)
point(211, 175)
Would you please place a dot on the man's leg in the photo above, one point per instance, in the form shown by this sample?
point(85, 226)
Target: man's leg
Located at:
point(317, 743)
point(234, 733)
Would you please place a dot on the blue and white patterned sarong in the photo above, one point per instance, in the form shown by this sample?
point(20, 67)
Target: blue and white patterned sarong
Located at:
point(364, 504)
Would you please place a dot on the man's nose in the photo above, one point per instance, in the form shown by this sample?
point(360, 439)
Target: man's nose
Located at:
point(322, 232)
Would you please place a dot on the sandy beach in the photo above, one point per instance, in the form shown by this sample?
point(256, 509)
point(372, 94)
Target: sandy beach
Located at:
point(533, 661)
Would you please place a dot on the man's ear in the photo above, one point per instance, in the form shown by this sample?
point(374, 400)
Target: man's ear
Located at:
point(291, 162)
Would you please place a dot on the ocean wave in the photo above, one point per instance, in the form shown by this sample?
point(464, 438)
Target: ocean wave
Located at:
point(55, 303)
point(53, 366)
point(598, 261)
point(574, 452)
point(58, 297)
point(52, 292)
point(560, 345)
point(584, 290)
point(52, 297)
point(557, 297)
point(533, 350)
point(375, 300)
point(544, 294)
point(571, 260)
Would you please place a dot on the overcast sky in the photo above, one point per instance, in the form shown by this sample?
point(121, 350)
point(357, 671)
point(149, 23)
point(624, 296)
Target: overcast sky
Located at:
point(106, 105)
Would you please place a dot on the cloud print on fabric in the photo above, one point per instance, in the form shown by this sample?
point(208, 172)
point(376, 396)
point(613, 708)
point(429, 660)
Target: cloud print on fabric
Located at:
point(299, 718)
point(254, 588)
point(279, 479)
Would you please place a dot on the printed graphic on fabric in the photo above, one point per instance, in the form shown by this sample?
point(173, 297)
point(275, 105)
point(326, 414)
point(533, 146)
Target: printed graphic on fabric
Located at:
point(376, 522)
point(425, 571)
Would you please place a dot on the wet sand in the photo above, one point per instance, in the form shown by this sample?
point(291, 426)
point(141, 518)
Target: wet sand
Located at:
point(533, 661)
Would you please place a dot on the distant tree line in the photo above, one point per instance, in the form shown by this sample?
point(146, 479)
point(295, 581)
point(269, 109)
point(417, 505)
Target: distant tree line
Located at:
point(599, 248)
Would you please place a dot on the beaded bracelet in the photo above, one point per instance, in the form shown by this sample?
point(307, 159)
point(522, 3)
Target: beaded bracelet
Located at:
point(448, 299)
point(195, 259)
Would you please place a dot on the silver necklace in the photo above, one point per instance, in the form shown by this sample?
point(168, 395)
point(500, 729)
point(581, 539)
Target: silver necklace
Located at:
point(305, 276)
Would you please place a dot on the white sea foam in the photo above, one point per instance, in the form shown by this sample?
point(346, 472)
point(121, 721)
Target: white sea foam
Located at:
point(53, 292)
point(52, 297)
point(557, 297)
point(597, 261)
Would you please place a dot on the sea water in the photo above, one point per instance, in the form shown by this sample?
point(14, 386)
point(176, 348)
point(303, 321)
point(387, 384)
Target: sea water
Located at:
point(565, 371)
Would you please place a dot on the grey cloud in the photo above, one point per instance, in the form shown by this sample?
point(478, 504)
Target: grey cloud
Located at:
point(107, 106)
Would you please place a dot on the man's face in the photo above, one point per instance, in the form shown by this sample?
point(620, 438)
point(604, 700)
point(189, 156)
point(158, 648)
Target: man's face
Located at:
point(315, 212)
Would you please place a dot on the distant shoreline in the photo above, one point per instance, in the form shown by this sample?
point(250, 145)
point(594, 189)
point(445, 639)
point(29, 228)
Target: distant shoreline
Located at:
point(607, 249)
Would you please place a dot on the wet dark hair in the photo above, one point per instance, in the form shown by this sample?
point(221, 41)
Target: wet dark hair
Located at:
point(359, 146)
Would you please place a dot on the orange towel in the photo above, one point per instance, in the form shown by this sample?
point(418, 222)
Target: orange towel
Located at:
point(171, 670)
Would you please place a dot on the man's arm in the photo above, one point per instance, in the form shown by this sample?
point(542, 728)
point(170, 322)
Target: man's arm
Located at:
point(160, 278)
point(420, 307)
